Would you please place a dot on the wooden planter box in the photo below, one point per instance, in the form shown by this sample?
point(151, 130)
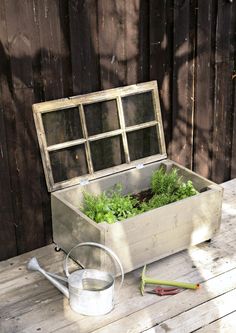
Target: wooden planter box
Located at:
point(71, 168)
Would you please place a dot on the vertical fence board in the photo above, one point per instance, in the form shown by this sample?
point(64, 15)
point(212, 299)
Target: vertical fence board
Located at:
point(112, 53)
point(183, 67)
point(161, 29)
point(8, 247)
point(84, 46)
point(204, 91)
point(22, 144)
point(55, 71)
point(111, 35)
point(233, 157)
point(143, 26)
point(223, 117)
point(131, 40)
point(55, 63)
point(8, 243)
point(233, 77)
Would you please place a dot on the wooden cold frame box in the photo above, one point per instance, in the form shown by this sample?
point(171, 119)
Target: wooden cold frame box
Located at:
point(92, 142)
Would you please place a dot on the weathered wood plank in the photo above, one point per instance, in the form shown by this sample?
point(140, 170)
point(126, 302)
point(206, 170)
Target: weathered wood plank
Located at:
point(222, 133)
point(25, 172)
point(47, 46)
point(8, 246)
point(83, 22)
point(160, 30)
point(131, 34)
point(143, 26)
point(182, 82)
point(225, 324)
point(224, 66)
point(204, 87)
point(112, 40)
point(199, 316)
point(94, 97)
point(157, 312)
point(122, 126)
point(42, 308)
point(47, 310)
point(233, 156)
point(53, 26)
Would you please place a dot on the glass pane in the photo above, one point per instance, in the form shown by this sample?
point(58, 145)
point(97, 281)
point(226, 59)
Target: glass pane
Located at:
point(107, 153)
point(62, 125)
point(68, 163)
point(101, 117)
point(142, 143)
point(138, 109)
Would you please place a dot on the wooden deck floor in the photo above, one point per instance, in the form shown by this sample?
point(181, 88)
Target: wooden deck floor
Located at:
point(29, 303)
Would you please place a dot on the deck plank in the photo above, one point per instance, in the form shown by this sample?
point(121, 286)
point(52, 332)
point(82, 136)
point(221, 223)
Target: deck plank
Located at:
point(29, 303)
point(199, 316)
point(172, 306)
point(225, 325)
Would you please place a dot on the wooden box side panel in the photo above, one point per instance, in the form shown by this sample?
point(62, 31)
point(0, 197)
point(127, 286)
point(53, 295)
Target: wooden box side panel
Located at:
point(148, 236)
point(70, 228)
point(166, 230)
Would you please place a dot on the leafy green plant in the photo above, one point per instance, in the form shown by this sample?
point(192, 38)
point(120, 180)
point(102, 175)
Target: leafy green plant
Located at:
point(168, 187)
point(112, 206)
point(185, 190)
point(97, 208)
point(163, 182)
point(156, 201)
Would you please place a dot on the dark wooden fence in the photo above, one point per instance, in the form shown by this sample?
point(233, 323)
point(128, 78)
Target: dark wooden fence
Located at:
point(58, 48)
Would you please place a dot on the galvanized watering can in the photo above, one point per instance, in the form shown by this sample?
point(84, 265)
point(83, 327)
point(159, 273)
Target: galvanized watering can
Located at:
point(91, 291)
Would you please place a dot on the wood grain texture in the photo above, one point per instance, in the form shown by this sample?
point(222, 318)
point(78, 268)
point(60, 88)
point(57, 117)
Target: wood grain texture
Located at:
point(29, 303)
point(233, 161)
point(226, 324)
point(8, 246)
point(84, 53)
point(183, 84)
point(223, 117)
point(204, 88)
point(109, 152)
point(53, 25)
point(56, 49)
point(146, 237)
point(22, 152)
point(7, 232)
point(161, 57)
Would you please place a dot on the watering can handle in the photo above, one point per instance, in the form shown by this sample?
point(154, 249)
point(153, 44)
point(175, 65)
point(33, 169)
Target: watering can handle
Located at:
point(105, 248)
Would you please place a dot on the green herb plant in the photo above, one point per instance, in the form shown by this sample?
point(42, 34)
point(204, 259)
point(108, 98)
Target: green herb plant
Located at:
point(112, 206)
point(167, 187)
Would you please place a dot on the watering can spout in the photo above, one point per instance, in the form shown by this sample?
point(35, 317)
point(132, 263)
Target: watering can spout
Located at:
point(33, 264)
point(53, 278)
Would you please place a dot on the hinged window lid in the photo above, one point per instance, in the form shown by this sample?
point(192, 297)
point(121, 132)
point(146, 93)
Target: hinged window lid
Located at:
point(94, 135)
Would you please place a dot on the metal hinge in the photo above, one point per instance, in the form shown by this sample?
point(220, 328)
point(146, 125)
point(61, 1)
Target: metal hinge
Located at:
point(139, 166)
point(84, 181)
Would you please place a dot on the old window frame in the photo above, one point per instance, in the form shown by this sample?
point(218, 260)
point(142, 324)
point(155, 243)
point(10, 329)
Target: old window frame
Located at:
point(96, 97)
